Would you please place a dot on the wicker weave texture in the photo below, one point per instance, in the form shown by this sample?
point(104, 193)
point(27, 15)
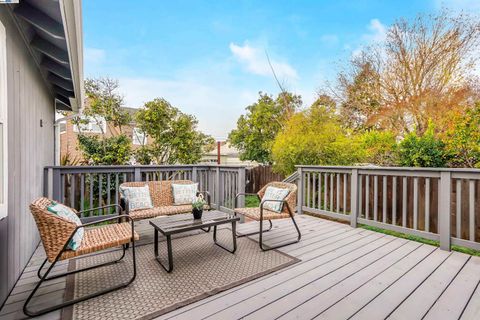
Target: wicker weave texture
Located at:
point(160, 191)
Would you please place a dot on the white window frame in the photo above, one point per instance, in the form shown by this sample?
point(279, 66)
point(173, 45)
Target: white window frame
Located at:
point(137, 134)
point(3, 122)
point(89, 128)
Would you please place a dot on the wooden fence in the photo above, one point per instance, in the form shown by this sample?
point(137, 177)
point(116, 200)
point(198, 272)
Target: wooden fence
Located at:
point(257, 177)
point(434, 203)
point(83, 187)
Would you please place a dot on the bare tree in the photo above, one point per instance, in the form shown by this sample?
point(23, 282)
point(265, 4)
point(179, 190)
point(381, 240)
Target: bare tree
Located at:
point(422, 71)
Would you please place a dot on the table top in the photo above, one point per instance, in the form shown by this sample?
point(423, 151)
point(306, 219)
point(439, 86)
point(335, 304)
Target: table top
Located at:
point(184, 222)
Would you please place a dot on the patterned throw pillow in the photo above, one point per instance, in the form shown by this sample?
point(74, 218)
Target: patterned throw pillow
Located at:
point(184, 193)
point(68, 214)
point(272, 193)
point(138, 197)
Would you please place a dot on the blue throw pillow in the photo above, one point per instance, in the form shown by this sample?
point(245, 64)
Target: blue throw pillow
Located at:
point(68, 214)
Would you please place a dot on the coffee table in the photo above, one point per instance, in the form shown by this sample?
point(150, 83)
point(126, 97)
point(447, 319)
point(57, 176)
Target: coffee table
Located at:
point(170, 225)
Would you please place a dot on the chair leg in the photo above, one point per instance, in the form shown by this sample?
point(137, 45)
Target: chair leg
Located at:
point(44, 278)
point(124, 248)
point(240, 235)
point(267, 248)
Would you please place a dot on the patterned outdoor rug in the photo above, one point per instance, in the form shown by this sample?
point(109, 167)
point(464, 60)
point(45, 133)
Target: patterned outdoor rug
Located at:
point(201, 269)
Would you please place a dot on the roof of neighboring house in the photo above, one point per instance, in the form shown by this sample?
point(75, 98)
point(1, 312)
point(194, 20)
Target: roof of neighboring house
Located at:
point(52, 30)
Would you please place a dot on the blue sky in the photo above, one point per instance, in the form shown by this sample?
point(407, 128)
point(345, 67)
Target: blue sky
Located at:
point(208, 57)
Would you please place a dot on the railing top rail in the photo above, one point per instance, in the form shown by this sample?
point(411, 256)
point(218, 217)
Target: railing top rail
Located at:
point(130, 167)
point(468, 170)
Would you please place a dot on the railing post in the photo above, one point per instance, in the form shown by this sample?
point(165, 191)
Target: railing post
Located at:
point(354, 198)
point(444, 204)
point(56, 185)
point(217, 188)
point(194, 174)
point(137, 174)
point(241, 187)
point(300, 185)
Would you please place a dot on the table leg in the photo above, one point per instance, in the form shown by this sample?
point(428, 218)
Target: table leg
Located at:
point(169, 252)
point(234, 224)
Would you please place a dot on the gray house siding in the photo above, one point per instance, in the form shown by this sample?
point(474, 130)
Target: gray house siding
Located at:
point(30, 148)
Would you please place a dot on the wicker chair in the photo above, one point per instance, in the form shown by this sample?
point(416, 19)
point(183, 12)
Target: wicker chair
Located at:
point(260, 214)
point(56, 233)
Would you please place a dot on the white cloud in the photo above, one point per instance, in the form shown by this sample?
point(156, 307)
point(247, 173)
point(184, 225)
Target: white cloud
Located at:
point(329, 39)
point(255, 61)
point(217, 107)
point(377, 32)
point(94, 55)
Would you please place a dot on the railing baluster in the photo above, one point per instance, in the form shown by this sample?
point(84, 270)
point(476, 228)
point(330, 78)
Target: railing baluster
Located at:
point(100, 193)
point(367, 197)
point(360, 195)
point(384, 202)
point(90, 178)
point(427, 204)
point(314, 188)
point(82, 192)
point(331, 192)
point(345, 193)
point(404, 202)
point(325, 194)
point(320, 190)
point(375, 198)
point(108, 189)
point(72, 190)
point(394, 200)
point(308, 190)
point(338, 192)
point(415, 203)
point(458, 190)
point(471, 209)
point(116, 192)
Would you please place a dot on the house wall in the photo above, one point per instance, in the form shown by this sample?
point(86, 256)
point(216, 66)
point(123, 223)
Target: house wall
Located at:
point(30, 148)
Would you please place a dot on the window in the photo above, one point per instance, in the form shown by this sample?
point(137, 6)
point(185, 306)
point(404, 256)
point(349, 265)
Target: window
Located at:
point(62, 126)
point(139, 137)
point(3, 124)
point(94, 125)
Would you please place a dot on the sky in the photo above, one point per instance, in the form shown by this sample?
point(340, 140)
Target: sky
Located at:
point(208, 58)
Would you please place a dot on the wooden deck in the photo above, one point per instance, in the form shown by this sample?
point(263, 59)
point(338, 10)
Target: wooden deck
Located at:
point(345, 273)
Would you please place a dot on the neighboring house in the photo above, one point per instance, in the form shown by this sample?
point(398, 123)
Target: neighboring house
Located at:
point(227, 154)
point(68, 134)
point(41, 71)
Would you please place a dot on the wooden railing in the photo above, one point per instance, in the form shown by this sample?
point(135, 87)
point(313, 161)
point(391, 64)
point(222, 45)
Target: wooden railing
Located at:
point(83, 187)
point(433, 203)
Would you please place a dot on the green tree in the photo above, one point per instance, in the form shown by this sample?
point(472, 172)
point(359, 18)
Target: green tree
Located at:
point(424, 150)
point(110, 151)
point(463, 138)
point(257, 129)
point(104, 104)
point(314, 137)
point(379, 147)
point(175, 136)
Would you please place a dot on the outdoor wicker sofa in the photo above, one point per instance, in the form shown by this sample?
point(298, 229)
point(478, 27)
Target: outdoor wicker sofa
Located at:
point(56, 233)
point(260, 214)
point(162, 199)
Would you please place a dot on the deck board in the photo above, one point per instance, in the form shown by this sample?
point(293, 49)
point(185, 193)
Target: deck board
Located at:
point(343, 273)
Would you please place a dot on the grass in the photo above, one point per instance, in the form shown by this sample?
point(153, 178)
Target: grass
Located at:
point(420, 239)
point(252, 201)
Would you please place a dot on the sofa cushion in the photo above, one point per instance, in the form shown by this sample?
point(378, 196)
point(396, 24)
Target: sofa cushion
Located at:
point(273, 193)
point(184, 193)
point(161, 211)
point(138, 197)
